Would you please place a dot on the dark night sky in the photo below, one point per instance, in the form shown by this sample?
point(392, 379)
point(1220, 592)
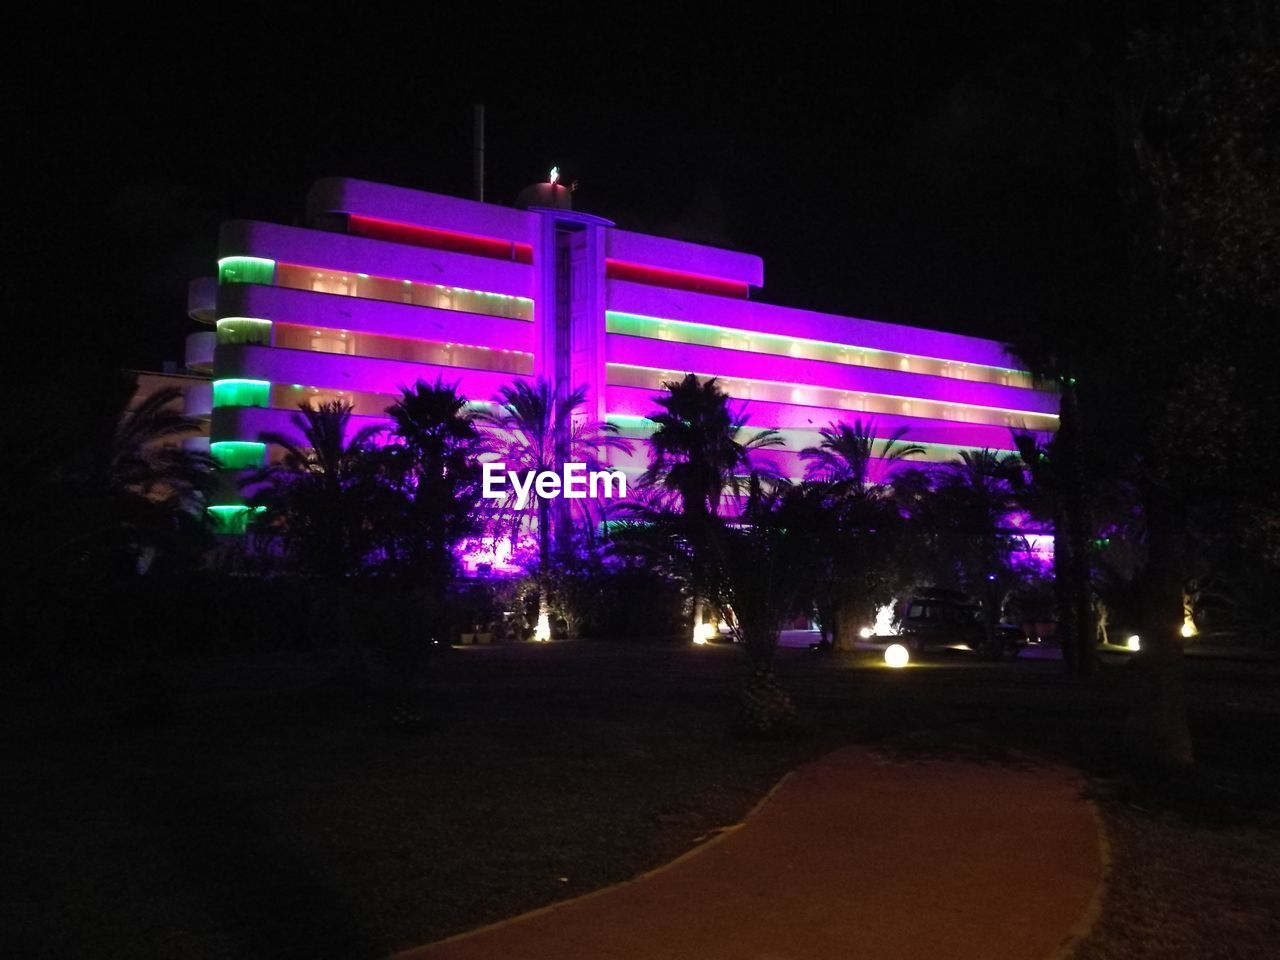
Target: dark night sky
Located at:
point(912, 162)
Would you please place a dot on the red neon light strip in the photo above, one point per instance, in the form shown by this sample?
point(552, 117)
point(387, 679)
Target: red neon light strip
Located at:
point(375, 229)
point(675, 279)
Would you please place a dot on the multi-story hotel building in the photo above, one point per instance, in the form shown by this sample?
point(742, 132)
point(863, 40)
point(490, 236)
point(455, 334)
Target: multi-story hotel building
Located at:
point(384, 286)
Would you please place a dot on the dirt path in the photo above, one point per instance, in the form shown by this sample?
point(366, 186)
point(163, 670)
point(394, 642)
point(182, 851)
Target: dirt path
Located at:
point(858, 855)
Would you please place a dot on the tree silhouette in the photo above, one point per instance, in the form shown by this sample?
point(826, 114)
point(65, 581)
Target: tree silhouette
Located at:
point(323, 497)
point(118, 493)
point(857, 524)
point(697, 454)
point(537, 430)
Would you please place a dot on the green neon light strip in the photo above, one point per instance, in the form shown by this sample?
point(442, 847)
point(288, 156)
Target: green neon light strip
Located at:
point(240, 330)
point(809, 386)
point(246, 270)
point(242, 393)
point(238, 454)
point(233, 519)
point(709, 335)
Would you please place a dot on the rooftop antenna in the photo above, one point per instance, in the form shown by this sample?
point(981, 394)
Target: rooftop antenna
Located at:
point(477, 145)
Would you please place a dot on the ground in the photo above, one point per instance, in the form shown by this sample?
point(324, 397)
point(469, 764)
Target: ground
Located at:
point(865, 852)
point(252, 807)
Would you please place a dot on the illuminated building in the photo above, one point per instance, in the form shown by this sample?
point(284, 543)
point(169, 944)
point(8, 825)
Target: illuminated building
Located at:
point(384, 286)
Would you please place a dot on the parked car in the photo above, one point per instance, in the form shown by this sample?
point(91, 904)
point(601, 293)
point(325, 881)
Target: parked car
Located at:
point(948, 619)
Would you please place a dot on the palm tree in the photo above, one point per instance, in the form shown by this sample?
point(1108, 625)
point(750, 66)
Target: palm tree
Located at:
point(1050, 487)
point(327, 500)
point(433, 460)
point(858, 527)
point(430, 467)
point(435, 423)
point(847, 455)
point(697, 451)
point(696, 454)
point(765, 574)
point(1059, 470)
point(538, 429)
point(144, 458)
point(118, 486)
point(973, 499)
point(322, 492)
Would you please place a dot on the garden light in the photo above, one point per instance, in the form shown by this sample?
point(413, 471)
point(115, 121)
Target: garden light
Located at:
point(884, 621)
point(895, 655)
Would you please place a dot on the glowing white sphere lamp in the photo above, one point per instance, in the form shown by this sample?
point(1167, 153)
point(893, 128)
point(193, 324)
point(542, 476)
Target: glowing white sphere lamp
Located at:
point(1188, 627)
point(866, 633)
point(1134, 643)
point(703, 632)
point(895, 655)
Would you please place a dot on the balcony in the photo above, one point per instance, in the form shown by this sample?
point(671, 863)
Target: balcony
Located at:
point(199, 351)
point(202, 299)
point(357, 258)
point(197, 399)
point(342, 372)
point(320, 310)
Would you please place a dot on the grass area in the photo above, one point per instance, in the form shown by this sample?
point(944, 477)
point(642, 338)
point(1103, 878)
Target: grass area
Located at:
point(260, 811)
